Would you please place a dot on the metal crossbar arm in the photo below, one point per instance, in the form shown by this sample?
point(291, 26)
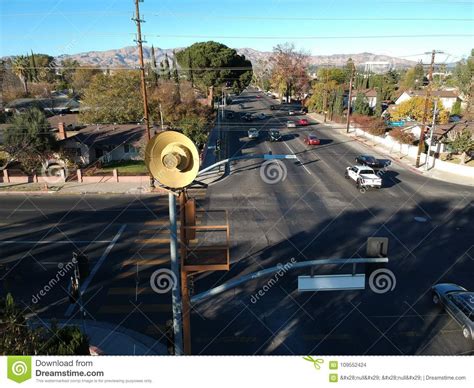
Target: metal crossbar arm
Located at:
point(259, 156)
point(303, 264)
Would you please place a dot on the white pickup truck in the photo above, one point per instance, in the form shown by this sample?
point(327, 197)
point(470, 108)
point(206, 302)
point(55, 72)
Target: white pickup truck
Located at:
point(363, 176)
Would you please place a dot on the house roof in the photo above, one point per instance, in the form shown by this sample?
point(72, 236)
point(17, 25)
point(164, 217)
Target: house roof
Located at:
point(367, 92)
point(442, 130)
point(113, 135)
point(60, 103)
point(434, 93)
point(69, 120)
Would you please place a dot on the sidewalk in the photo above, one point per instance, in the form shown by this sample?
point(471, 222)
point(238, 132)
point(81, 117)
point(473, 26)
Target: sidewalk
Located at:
point(400, 158)
point(75, 188)
point(115, 340)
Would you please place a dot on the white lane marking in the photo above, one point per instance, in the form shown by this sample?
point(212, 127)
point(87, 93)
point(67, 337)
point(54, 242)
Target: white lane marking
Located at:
point(96, 268)
point(53, 242)
point(302, 165)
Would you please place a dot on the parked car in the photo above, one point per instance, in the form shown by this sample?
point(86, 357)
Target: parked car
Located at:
point(261, 116)
point(273, 107)
point(259, 96)
point(253, 133)
point(290, 124)
point(274, 135)
point(458, 303)
point(291, 113)
point(369, 160)
point(312, 139)
point(303, 122)
point(247, 117)
point(363, 176)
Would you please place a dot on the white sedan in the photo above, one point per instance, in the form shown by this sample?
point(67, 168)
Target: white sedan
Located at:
point(253, 133)
point(290, 124)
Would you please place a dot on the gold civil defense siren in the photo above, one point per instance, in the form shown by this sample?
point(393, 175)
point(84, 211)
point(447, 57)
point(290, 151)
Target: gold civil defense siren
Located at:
point(172, 159)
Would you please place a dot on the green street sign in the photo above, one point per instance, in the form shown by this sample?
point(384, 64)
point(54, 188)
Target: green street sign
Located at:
point(19, 368)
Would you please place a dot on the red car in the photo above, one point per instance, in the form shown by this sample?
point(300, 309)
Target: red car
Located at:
point(303, 122)
point(312, 140)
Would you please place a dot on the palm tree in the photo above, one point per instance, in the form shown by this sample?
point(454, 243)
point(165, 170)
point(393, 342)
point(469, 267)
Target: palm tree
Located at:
point(21, 68)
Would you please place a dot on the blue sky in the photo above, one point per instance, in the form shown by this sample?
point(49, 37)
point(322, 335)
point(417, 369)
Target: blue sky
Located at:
point(73, 26)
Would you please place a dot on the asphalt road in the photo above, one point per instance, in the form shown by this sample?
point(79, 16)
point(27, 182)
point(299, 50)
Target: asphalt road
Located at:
point(311, 212)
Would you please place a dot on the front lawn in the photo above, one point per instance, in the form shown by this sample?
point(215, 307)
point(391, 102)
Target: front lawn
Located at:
point(126, 167)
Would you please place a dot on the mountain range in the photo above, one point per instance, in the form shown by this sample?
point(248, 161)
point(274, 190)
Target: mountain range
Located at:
point(128, 57)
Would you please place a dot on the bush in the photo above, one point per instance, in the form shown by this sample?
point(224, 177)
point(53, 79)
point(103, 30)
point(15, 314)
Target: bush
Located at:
point(401, 136)
point(373, 125)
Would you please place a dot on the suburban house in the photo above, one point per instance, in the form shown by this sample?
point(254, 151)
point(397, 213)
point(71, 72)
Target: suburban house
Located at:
point(447, 97)
point(104, 142)
point(445, 132)
point(370, 95)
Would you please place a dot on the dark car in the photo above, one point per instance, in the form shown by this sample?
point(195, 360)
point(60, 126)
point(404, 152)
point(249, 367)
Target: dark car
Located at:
point(229, 115)
point(369, 160)
point(274, 135)
point(247, 117)
point(273, 107)
point(458, 303)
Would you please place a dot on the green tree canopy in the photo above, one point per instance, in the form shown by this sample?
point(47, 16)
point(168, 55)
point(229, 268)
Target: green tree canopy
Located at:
point(413, 78)
point(28, 139)
point(361, 105)
point(113, 98)
point(214, 64)
point(463, 143)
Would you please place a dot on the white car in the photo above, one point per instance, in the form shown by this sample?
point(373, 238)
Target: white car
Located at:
point(253, 133)
point(290, 124)
point(291, 113)
point(261, 116)
point(363, 176)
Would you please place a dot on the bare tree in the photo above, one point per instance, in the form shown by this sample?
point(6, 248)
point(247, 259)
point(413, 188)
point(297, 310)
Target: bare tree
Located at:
point(289, 73)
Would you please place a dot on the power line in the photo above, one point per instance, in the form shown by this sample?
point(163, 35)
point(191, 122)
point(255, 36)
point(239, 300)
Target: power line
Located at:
point(255, 37)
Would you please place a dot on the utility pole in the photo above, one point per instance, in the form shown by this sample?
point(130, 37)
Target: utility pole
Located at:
point(139, 41)
point(349, 101)
point(433, 125)
point(427, 104)
point(326, 93)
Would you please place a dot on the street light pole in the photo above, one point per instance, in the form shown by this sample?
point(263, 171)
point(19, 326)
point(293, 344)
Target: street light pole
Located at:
point(425, 111)
point(175, 269)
